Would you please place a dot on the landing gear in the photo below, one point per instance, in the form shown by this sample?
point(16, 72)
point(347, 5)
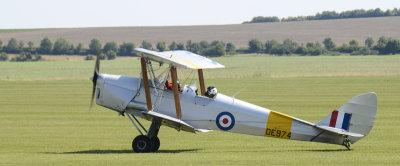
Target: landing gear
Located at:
point(143, 144)
point(156, 144)
point(346, 143)
point(149, 142)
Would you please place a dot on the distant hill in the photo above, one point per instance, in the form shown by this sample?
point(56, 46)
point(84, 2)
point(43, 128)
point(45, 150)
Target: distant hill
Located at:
point(341, 30)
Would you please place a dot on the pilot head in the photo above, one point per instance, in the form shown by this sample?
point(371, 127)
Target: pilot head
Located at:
point(211, 91)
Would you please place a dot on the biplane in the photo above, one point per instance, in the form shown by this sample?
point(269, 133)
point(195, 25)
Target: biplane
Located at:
point(161, 100)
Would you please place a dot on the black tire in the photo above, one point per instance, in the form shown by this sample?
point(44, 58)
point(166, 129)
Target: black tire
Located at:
point(155, 144)
point(141, 144)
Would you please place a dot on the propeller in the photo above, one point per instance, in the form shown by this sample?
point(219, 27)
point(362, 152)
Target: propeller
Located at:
point(95, 76)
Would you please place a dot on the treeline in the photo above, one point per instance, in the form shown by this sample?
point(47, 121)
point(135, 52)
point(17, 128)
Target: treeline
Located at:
point(384, 46)
point(109, 51)
point(327, 15)
point(64, 47)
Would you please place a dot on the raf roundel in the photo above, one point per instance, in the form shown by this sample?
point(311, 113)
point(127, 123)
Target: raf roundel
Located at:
point(225, 121)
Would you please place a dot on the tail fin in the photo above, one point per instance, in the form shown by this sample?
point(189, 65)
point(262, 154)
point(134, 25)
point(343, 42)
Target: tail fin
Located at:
point(356, 116)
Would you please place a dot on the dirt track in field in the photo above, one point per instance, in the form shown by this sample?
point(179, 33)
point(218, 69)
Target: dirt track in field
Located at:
point(341, 31)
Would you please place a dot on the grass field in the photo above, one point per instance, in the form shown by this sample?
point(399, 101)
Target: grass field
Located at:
point(237, 67)
point(18, 30)
point(45, 117)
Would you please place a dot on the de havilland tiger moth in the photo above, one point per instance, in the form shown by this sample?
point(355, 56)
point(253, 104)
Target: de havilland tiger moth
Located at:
point(161, 100)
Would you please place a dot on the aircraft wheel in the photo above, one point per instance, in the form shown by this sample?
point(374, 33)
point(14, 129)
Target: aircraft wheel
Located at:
point(141, 144)
point(156, 144)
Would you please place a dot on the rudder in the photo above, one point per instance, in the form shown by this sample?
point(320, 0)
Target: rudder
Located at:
point(356, 116)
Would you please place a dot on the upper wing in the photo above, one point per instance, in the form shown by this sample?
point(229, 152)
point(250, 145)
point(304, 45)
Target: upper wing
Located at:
point(179, 59)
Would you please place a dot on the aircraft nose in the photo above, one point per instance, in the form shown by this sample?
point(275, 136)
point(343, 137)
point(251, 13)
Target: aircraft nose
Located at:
point(99, 77)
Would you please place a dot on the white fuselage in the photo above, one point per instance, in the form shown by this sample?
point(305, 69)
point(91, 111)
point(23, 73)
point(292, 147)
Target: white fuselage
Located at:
point(121, 92)
point(222, 112)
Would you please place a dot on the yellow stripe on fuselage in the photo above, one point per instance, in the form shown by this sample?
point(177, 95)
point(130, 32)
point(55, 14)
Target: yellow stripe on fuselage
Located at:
point(278, 125)
point(182, 60)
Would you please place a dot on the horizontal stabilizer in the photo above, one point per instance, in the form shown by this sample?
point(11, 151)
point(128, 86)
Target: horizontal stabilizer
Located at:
point(339, 131)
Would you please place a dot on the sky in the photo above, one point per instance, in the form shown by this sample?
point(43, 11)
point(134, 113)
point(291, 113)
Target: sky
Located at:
point(18, 14)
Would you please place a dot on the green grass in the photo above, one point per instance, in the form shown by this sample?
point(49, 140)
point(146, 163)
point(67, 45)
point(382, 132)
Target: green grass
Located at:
point(19, 30)
point(237, 67)
point(47, 121)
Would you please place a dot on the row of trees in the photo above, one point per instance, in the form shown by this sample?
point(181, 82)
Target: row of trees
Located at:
point(326, 15)
point(384, 46)
point(64, 47)
point(287, 47)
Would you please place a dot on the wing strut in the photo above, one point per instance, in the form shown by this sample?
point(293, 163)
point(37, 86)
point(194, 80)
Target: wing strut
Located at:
point(146, 83)
point(174, 76)
point(201, 80)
